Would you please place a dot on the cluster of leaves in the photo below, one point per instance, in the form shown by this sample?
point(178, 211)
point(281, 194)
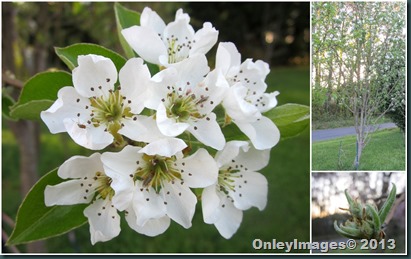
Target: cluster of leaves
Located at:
point(40, 92)
point(355, 47)
point(366, 221)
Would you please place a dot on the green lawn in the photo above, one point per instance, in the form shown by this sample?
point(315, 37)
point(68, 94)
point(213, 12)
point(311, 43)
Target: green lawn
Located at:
point(286, 217)
point(385, 152)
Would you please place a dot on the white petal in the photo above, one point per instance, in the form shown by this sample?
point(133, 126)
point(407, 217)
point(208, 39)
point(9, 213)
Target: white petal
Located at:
point(180, 201)
point(134, 81)
point(67, 193)
point(92, 72)
point(151, 19)
point(205, 39)
point(143, 129)
point(259, 69)
point(230, 151)
point(213, 88)
point(158, 87)
point(198, 170)
point(94, 138)
point(252, 159)
point(153, 227)
point(168, 126)
point(263, 133)
point(164, 147)
point(104, 221)
point(263, 68)
point(81, 166)
point(253, 191)
point(229, 220)
point(66, 106)
point(180, 29)
point(145, 42)
point(147, 204)
point(270, 101)
point(120, 167)
point(228, 58)
point(180, 15)
point(237, 107)
point(207, 131)
point(191, 71)
point(210, 202)
point(123, 162)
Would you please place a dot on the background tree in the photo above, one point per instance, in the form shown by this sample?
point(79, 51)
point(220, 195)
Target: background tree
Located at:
point(354, 45)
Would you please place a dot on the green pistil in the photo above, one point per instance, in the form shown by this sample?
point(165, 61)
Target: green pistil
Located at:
point(157, 170)
point(104, 186)
point(109, 112)
point(226, 180)
point(182, 108)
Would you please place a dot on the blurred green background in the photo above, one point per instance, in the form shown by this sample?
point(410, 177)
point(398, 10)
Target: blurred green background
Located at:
point(278, 33)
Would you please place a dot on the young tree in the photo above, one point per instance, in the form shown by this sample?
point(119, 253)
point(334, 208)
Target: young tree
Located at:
point(370, 58)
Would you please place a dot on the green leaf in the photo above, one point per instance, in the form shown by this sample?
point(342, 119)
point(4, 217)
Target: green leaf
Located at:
point(125, 18)
point(35, 221)
point(342, 232)
point(291, 119)
point(30, 110)
point(232, 132)
point(38, 93)
point(6, 103)
point(375, 218)
point(69, 54)
point(386, 207)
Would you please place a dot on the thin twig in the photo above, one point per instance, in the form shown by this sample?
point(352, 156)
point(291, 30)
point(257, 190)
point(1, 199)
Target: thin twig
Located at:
point(12, 81)
point(6, 218)
point(5, 237)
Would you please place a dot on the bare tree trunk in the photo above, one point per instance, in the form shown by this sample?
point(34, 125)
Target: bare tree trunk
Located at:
point(25, 132)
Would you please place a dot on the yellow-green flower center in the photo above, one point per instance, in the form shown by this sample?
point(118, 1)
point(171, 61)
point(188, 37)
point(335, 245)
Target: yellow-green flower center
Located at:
point(109, 111)
point(157, 169)
point(183, 107)
point(103, 186)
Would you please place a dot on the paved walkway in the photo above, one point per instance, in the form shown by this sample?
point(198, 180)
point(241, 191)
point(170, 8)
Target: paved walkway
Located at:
point(318, 135)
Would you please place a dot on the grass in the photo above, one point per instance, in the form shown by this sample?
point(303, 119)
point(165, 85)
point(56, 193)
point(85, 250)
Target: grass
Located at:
point(286, 217)
point(385, 152)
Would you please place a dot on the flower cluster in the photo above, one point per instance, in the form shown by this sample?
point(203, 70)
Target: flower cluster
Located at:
point(167, 132)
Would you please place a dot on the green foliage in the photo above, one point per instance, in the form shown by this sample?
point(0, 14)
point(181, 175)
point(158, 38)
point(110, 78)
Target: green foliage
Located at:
point(69, 54)
point(291, 119)
point(386, 207)
point(365, 221)
point(6, 103)
point(39, 93)
point(357, 48)
point(35, 221)
point(125, 18)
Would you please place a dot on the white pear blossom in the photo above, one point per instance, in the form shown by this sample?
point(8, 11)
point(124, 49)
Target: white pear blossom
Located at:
point(88, 184)
point(239, 187)
point(163, 44)
point(152, 184)
point(246, 100)
point(94, 112)
point(185, 98)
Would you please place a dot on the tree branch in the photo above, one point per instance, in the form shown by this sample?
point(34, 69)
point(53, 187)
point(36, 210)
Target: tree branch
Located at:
point(7, 80)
